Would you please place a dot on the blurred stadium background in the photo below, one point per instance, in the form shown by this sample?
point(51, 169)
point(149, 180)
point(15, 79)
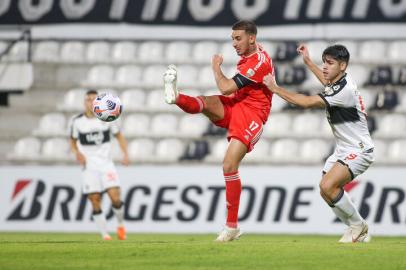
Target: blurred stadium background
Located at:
point(52, 51)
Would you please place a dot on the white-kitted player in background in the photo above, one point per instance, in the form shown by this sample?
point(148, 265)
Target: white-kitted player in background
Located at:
point(346, 115)
point(90, 141)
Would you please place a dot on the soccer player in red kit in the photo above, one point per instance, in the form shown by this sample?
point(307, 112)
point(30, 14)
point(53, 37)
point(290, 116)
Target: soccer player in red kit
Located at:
point(243, 108)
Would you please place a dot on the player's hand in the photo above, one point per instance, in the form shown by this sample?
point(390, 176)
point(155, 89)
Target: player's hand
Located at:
point(81, 158)
point(217, 60)
point(126, 160)
point(304, 51)
point(270, 82)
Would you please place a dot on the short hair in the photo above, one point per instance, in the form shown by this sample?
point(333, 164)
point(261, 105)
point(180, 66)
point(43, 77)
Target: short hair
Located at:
point(337, 52)
point(248, 26)
point(91, 92)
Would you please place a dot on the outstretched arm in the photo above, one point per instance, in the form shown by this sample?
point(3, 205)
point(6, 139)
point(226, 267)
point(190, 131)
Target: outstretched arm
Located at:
point(302, 49)
point(291, 97)
point(225, 85)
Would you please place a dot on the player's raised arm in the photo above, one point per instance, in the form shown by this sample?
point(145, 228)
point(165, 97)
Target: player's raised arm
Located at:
point(302, 49)
point(123, 146)
point(291, 97)
point(225, 85)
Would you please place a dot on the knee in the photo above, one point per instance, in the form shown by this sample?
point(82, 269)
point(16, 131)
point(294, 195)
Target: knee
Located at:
point(229, 166)
point(325, 187)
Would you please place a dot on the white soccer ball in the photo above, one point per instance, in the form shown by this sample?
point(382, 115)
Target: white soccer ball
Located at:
point(107, 107)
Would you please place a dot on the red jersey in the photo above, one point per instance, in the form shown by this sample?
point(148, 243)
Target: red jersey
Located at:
point(255, 95)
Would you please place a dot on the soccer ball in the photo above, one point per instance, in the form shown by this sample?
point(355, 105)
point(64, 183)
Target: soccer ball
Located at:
point(107, 107)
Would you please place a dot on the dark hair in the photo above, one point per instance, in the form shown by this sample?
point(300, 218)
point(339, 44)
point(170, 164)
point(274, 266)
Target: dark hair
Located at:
point(248, 26)
point(91, 92)
point(337, 52)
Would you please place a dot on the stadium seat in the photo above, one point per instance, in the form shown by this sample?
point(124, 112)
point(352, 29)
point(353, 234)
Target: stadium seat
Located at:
point(260, 153)
point(293, 75)
point(314, 151)
point(163, 125)
point(386, 99)
point(72, 52)
point(169, 150)
point(3, 47)
point(218, 150)
point(178, 52)
point(124, 52)
point(204, 50)
point(381, 75)
point(380, 151)
point(391, 126)
point(46, 51)
point(277, 104)
point(277, 125)
point(98, 52)
point(51, 124)
point(368, 97)
point(127, 76)
point(316, 49)
point(312, 83)
point(187, 76)
point(396, 52)
point(284, 151)
point(133, 99)
point(358, 73)
point(402, 104)
point(136, 125)
point(56, 149)
point(372, 51)
point(196, 150)
point(400, 76)
point(205, 77)
point(269, 47)
point(18, 53)
point(213, 130)
point(141, 150)
point(151, 52)
point(155, 102)
point(192, 125)
point(100, 76)
point(152, 75)
point(286, 51)
point(73, 100)
point(396, 152)
point(229, 54)
point(27, 148)
point(307, 124)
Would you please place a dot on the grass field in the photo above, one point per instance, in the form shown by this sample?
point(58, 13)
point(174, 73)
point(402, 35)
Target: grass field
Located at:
point(163, 251)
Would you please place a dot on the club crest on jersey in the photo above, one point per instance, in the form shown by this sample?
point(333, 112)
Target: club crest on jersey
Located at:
point(250, 72)
point(328, 90)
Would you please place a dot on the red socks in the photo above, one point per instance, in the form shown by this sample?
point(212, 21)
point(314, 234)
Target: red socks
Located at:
point(233, 192)
point(190, 104)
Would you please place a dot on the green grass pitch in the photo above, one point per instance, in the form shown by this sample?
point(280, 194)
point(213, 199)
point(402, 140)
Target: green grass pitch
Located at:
point(177, 251)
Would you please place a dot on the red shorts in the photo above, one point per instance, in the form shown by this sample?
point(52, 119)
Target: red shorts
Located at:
point(242, 122)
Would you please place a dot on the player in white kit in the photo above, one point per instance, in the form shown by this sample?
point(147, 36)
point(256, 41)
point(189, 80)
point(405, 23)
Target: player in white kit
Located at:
point(346, 115)
point(90, 140)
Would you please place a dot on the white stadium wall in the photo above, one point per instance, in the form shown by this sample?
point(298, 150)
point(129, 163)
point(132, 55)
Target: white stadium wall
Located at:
point(180, 199)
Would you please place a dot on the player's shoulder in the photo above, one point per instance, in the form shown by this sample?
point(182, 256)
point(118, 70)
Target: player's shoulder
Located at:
point(339, 87)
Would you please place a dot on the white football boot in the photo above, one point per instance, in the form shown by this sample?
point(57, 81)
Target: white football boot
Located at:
point(228, 234)
point(356, 233)
point(170, 80)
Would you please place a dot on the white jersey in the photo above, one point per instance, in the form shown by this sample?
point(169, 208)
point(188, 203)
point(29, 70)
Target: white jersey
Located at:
point(93, 139)
point(347, 116)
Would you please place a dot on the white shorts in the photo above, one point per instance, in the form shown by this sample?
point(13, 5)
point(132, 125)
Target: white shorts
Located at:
point(98, 181)
point(357, 162)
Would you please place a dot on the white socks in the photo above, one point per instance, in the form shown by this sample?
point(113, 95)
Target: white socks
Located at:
point(101, 223)
point(350, 213)
point(341, 215)
point(119, 213)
